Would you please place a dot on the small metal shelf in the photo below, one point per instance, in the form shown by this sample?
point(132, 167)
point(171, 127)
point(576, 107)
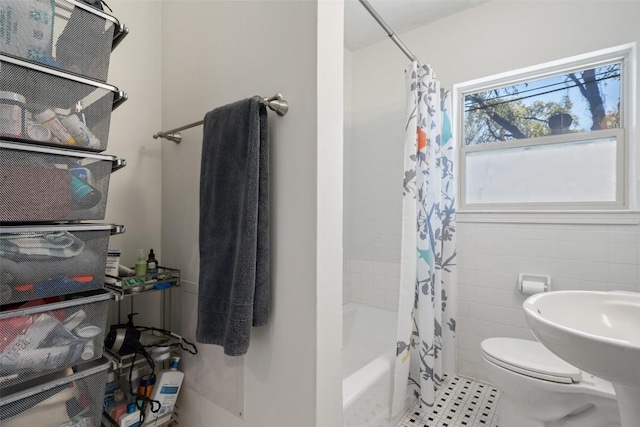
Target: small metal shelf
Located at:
point(121, 366)
point(168, 278)
point(107, 421)
point(121, 363)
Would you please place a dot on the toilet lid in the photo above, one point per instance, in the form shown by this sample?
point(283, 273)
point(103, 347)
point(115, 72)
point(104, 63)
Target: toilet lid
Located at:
point(529, 358)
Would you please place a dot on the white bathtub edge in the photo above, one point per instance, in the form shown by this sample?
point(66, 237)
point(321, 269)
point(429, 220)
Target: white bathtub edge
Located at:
point(356, 384)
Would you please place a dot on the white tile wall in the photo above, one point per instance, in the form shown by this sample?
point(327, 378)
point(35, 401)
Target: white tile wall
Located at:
point(490, 257)
point(373, 176)
point(372, 282)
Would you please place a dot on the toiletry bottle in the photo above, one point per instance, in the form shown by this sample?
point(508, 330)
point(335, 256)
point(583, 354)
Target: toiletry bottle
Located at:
point(152, 266)
point(118, 407)
point(84, 194)
point(112, 266)
point(51, 121)
point(109, 390)
point(132, 417)
point(166, 389)
point(12, 114)
point(82, 172)
point(141, 264)
point(147, 383)
point(88, 350)
point(30, 339)
point(41, 358)
point(79, 131)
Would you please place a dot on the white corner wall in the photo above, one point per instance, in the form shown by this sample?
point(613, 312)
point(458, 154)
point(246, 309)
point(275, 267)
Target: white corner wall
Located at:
point(491, 38)
point(213, 53)
point(347, 160)
point(329, 183)
point(134, 196)
point(134, 192)
point(373, 181)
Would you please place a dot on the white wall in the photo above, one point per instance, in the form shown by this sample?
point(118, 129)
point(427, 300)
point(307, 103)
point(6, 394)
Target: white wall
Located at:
point(373, 180)
point(347, 173)
point(371, 203)
point(494, 37)
point(216, 52)
point(329, 213)
point(134, 195)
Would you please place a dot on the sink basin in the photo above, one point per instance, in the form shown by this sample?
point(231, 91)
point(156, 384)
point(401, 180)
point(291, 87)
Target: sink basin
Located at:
point(598, 332)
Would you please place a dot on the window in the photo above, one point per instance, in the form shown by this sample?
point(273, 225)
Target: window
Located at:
point(547, 137)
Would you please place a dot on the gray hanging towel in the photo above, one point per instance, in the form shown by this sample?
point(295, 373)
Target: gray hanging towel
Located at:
point(234, 226)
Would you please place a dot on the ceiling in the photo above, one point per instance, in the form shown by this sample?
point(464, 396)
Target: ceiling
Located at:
point(361, 30)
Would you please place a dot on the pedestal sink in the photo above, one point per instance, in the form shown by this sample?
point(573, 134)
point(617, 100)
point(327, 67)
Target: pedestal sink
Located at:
point(598, 332)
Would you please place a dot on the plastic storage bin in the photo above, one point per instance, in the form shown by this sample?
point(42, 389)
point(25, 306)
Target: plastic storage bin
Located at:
point(63, 399)
point(48, 184)
point(45, 106)
point(41, 261)
point(63, 34)
point(39, 339)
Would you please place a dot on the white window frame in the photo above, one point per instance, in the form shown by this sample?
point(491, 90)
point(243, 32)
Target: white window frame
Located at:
point(625, 169)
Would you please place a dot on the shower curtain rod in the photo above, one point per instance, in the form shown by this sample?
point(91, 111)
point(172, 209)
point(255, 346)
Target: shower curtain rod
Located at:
point(389, 31)
point(275, 103)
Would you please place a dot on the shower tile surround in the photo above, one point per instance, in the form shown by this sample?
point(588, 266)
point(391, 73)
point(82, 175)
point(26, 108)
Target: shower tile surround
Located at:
point(460, 403)
point(372, 283)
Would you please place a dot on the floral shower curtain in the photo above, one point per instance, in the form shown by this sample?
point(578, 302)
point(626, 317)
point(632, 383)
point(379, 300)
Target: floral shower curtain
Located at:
point(426, 316)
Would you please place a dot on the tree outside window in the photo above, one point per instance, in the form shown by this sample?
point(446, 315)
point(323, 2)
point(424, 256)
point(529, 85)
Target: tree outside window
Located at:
point(580, 101)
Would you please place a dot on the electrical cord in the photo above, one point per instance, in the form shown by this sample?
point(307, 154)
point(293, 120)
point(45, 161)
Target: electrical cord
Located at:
point(143, 400)
point(193, 349)
point(140, 399)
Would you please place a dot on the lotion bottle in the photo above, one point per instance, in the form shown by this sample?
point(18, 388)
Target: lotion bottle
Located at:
point(132, 417)
point(166, 389)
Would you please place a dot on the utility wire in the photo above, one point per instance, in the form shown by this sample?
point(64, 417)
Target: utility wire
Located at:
point(494, 104)
point(545, 86)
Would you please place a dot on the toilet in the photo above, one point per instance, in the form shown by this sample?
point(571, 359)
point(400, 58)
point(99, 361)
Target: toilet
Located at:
point(538, 389)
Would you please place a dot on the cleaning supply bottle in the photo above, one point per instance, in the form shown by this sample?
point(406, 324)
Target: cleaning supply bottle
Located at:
point(152, 266)
point(131, 418)
point(166, 389)
point(141, 264)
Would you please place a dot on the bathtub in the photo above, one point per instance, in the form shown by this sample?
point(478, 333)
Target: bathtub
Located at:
point(368, 354)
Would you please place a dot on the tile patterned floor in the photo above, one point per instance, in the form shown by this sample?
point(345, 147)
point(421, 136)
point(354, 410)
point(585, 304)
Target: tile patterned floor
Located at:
point(460, 403)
